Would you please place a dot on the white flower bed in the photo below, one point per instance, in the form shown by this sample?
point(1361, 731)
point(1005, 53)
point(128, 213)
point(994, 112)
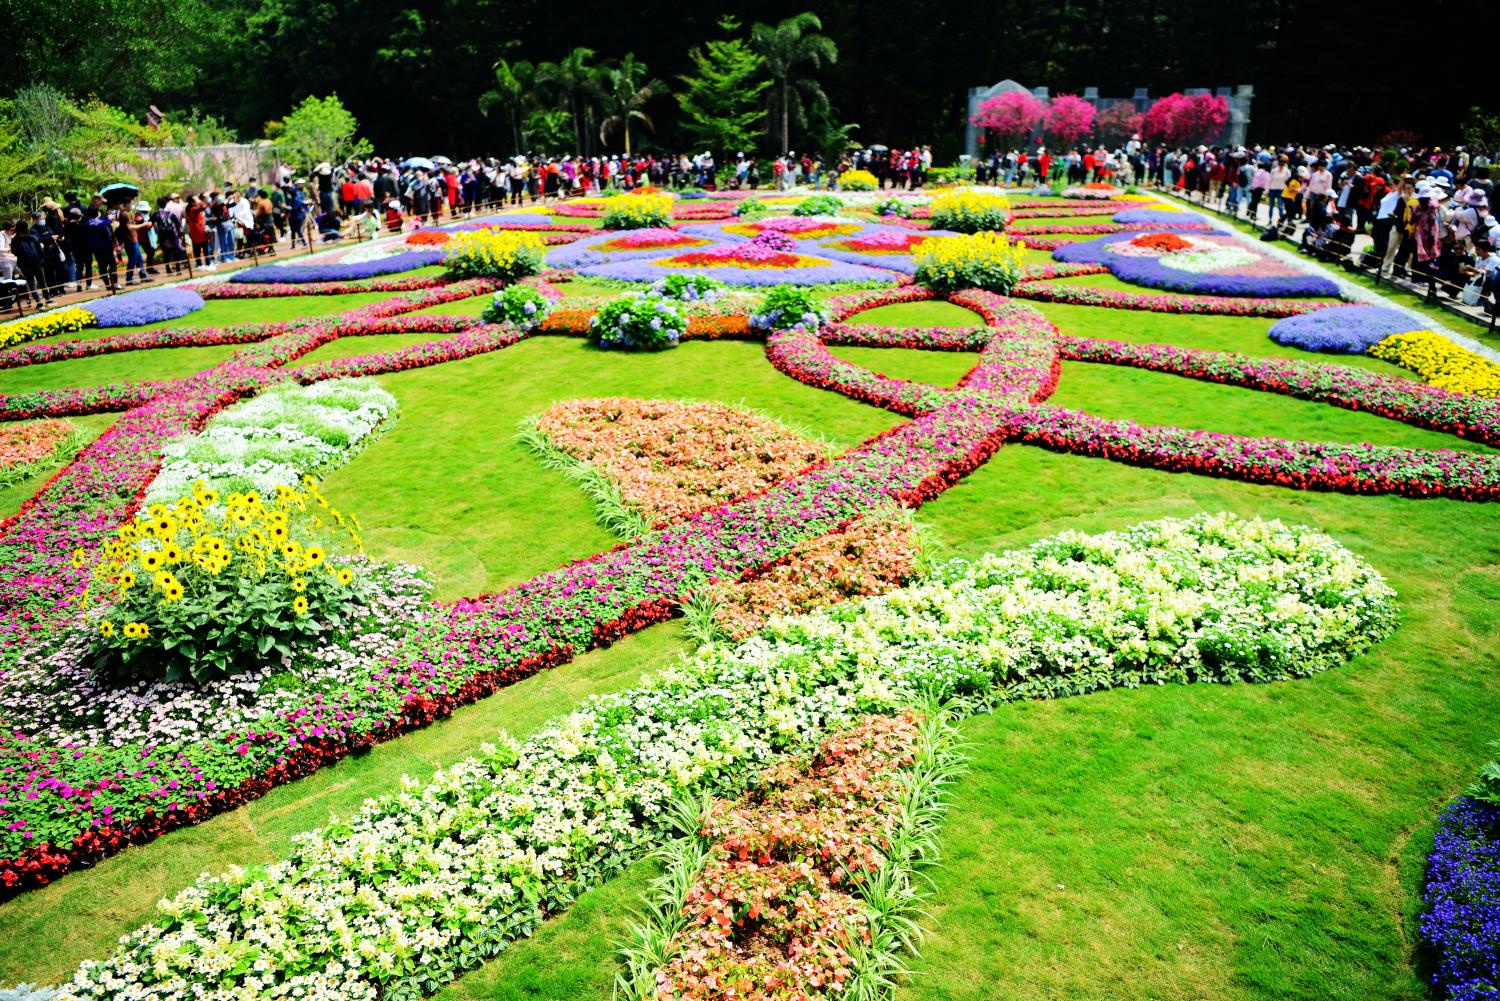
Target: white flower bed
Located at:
point(424, 884)
point(275, 438)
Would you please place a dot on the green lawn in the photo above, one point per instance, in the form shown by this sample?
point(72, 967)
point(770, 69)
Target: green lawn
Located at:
point(1190, 842)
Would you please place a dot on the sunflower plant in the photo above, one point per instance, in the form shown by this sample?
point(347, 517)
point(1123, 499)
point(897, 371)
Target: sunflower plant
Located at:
point(199, 590)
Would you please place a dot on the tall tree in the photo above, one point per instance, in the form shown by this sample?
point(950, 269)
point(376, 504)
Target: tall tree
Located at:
point(787, 48)
point(515, 94)
point(625, 90)
point(321, 130)
point(721, 100)
point(575, 81)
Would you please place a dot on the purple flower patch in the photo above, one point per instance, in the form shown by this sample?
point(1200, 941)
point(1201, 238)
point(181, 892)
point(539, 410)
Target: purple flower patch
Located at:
point(299, 274)
point(1462, 920)
point(1350, 330)
point(1151, 273)
point(149, 305)
point(1156, 217)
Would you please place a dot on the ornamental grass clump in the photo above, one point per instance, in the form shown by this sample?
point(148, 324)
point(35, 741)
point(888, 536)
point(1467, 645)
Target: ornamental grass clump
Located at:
point(969, 211)
point(858, 180)
point(502, 254)
point(818, 205)
point(201, 590)
point(521, 305)
point(638, 322)
point(638, 212)
point(983, 260)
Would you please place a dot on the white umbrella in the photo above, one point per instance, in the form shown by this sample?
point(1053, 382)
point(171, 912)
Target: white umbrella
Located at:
point(440, 159)
point(419, 162)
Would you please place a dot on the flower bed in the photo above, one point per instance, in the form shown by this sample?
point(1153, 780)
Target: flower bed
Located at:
point(60, 321)
point(778, 890)
point(269, 290)
point(143, 306)
point(668, 459)
point(28, 448)
point(969, 211)
point(1096, 190)
point(1301, 465)
point(1441, 362)
point(742, 263)
point(1461, 923)
point(1400, 399)
point(275, 439)
point(516, 833)
point(1215, 265)
point(810, 227)
point(1211, 305)
point(300, 274)
point(985, 261)
point(1349, 330)
point(637, 212)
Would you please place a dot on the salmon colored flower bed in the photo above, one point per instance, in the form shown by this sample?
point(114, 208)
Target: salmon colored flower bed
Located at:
point(30, 442)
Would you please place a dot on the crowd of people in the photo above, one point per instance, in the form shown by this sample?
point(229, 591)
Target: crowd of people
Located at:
point(1431, 213)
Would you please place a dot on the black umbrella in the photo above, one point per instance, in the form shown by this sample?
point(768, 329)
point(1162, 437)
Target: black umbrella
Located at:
point(113, 194)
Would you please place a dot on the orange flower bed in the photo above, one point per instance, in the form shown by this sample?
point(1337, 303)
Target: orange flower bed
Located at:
point(29, 442)
point(428, 237)
point(870, 556)
point(671, 459)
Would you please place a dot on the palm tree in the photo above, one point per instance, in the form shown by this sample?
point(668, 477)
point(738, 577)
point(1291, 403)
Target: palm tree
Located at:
point(786, 47)
point(625, 91)
point(515, 92)
point(574, 81)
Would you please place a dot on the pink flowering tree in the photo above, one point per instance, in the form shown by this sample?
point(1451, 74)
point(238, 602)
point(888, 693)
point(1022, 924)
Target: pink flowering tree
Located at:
point(1117, 123)
point(1069, 118)
point(1181, 118)
point(1010, 115)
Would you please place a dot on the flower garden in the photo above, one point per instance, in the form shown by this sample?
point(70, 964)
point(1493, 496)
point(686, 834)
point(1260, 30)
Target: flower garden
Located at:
point(841, 596)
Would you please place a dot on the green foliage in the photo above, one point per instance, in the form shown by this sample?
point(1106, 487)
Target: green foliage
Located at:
point(514, 95)
point(818, 205)
point(787, 47)
point(1481, 130)
point(1487, 786)
point(688, 286)
point(624, 91)
point(521, 305)
point(720, 98)
point(201, 592)
point(638, 322)
point(788, 306)
point(319, 130)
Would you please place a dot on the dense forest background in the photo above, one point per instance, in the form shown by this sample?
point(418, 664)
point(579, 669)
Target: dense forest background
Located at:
point(412, 71)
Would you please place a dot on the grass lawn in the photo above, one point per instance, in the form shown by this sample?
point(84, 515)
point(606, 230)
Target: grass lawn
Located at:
point(1257, 842)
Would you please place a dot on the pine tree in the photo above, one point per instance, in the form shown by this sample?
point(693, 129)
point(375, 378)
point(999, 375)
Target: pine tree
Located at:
point(721, 102)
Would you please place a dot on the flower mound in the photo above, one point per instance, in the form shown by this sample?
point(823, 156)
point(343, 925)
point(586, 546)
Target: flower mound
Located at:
point(1349, 330)
point(151, 305)
point(646, 211)
point(501, 254)
point(638, 322)
point(1213, 265)
point(970, 211)
point(881, 242)
point(984, 261)
point(301, 274)
point(1462, 920)
point(1094, 190)
point(651, 238)
point(520, 305)
point(59, 321)
point(807, 227)
point(824, 205)
point(194, 594)
point(751, 254)
point(858, 180)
